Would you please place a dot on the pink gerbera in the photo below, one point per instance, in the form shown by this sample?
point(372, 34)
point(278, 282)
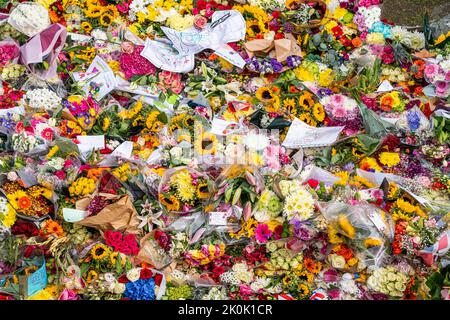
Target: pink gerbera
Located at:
point(47, 134)
point(262, 233)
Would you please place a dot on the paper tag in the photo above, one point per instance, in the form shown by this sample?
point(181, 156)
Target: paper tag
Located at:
point(385, 86)
point(164, 56)
point(377, 220)
point(73, 215)
point(218, 218)
point(233, 57)
point(37, 280)
point(301, 134)
point(87, 143)
point(222, 127)
point(16, 110)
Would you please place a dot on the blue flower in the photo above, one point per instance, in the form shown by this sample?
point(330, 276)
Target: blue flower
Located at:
point(142, 289)
point(413, 120)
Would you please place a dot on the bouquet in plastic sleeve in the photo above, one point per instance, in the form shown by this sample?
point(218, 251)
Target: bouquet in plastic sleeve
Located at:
point(237, 185)
point(184, 190)
point(365, 227)
point(29, 18)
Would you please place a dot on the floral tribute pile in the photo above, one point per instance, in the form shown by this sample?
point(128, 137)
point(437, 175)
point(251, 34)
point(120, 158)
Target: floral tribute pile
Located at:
point(222, 149)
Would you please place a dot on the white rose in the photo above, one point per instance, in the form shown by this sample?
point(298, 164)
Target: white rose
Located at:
point(134, 274)
point(400, 286)
point(337, 261)
point(391, 276)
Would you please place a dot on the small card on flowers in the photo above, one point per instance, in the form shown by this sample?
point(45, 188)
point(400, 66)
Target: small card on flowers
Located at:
point(301, 135)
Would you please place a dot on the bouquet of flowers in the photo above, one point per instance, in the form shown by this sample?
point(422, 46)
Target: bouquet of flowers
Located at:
point(184, 190)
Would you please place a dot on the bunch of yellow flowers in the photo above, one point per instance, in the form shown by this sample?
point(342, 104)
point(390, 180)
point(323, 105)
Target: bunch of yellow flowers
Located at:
point(82, 186)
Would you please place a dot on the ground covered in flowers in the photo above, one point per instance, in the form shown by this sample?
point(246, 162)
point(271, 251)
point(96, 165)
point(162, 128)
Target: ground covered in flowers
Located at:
point(220, 149)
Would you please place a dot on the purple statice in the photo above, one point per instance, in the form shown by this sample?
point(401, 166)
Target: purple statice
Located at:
point(288, 27)
point(413, 120)
point(293, 61)
point(253, 64)
point(276, 65)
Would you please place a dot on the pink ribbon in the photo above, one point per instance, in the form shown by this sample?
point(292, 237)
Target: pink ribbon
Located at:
point(45, 46)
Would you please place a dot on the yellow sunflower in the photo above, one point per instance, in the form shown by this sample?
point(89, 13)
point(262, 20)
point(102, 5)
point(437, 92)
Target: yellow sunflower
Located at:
point(86, 26)
point(206, 143)
point(318, 112)
point(99, 251)
point(265, 94)
point(202, 190)
point(171, 203)
point(106, 19)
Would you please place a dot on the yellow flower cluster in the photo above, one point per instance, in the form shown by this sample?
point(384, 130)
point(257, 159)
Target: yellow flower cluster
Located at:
point(404, 210)
point(124, 171)
point(82, 186)
point(182, 180)
point(256, 19)
point(389, 159)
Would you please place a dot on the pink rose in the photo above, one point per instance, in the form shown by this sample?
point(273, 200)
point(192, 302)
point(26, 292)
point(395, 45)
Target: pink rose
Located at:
point(127, 47)
point(200, 22)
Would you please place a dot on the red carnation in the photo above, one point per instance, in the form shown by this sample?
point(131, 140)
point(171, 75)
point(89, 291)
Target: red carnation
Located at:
point(313, 183)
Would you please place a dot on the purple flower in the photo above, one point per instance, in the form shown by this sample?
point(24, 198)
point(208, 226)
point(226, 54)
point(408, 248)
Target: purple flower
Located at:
point(277, 66)
point(293, 61)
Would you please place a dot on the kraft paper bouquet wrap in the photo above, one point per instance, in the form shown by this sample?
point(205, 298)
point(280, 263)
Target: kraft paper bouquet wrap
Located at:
point(119, 215)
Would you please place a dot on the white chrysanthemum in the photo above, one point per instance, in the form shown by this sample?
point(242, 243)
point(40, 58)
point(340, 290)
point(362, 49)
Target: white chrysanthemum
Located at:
point(299, 204)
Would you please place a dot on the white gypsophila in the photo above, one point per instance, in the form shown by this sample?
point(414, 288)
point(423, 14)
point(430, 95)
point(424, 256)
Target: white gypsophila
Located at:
point(134, 274)
point(29, 18)
point(43, 98)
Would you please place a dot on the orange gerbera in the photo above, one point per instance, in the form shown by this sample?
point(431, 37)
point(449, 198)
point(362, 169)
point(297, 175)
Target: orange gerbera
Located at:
point(386, 103)
point(24, 203)
point(309, 264)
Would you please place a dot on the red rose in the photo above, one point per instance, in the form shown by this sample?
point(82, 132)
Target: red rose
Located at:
point(276, 14)
point(158, 279)
point(129, 239)
point(123, 279)
point(146, 273)
point(125, 249)
point(313, 183)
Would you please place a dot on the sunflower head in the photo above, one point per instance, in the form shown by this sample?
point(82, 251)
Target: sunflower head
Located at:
point(100, 252)
point(203, 190)
point(170, 202)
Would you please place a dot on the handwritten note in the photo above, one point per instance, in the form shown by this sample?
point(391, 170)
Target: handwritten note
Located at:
point(302, 135)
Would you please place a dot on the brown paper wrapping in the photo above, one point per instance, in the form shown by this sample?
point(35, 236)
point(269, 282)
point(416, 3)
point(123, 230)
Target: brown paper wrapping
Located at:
point(120, 215)
point(149, 253)
point(283, 47)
